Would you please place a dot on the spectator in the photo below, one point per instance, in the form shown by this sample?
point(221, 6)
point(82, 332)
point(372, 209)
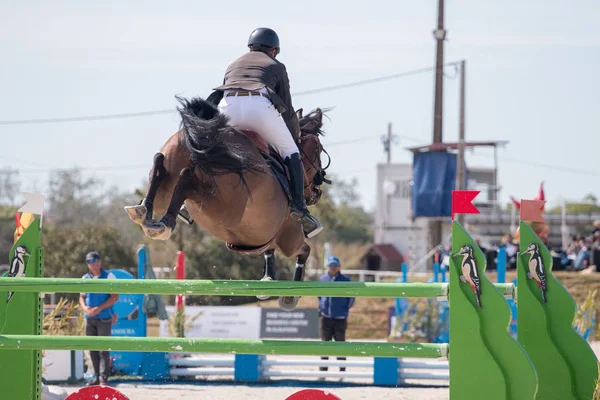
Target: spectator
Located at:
point(333, 311)
point(583, 256)
point(596, 229)
point(99, 314)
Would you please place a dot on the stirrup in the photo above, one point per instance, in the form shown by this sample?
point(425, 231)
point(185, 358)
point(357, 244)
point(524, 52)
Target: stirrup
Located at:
point(185, 216)
point(311, 226)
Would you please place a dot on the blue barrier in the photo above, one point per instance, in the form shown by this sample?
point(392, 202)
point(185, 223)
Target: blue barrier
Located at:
point(132, 320)
point(385, 371)
point(501, 261)
point(403, 310)
point(255, 368)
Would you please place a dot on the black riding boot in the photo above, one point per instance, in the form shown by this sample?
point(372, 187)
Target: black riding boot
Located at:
point(310, 224)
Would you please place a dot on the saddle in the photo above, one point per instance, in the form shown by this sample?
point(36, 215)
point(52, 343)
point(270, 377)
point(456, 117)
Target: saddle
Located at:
point(273, 159)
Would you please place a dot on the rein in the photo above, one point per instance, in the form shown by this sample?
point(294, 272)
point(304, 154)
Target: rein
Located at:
point(320, 175)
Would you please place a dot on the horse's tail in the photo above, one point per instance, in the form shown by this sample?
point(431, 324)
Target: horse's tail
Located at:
point(212, 142)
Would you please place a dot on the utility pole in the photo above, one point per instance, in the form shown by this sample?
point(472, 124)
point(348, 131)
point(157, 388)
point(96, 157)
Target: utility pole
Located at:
point(460, 168)
point(387, 142)
point(435, 227)
point(440, 36)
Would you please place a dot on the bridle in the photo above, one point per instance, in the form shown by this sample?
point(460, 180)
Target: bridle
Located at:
point(319, 178)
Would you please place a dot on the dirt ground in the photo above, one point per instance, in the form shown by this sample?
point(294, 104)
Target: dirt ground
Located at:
point(215, 391)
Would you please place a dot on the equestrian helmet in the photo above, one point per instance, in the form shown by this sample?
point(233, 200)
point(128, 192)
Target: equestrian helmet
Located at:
point(264, 37)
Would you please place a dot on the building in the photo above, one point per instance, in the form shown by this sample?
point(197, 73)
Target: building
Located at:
point(393, 220)
point(382, 257)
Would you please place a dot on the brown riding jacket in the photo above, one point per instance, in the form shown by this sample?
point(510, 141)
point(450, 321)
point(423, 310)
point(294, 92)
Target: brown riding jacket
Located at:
point(256, 70)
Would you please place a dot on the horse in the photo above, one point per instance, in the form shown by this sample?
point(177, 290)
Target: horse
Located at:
point(234, 186)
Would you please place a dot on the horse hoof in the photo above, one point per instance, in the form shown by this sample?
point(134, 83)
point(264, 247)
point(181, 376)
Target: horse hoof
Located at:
point(137, 213)
point(156, 230)
point(263, 297)
point(288, 303)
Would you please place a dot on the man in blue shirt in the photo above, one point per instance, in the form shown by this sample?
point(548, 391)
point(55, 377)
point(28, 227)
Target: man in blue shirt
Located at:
point(334, 310)
point(99, 315)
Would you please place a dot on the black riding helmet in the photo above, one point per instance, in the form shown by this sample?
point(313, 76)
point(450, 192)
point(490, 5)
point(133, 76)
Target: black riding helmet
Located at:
point(264, 37)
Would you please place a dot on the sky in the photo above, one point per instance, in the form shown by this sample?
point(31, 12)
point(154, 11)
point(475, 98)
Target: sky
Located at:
point(531, 79)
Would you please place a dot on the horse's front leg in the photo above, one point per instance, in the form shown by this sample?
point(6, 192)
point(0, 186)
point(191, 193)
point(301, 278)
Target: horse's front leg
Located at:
point(288, 303)
point(270, 273)
point(162, 229)
point(143, 211)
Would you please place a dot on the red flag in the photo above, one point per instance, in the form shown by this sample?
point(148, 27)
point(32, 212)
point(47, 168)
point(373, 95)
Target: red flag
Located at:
point(461, 202)
point(531, 210)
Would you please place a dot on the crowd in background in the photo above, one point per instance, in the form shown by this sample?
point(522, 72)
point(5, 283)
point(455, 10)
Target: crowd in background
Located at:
point(582, 252)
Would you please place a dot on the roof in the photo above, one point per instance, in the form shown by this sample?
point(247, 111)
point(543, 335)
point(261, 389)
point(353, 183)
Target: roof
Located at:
point(454, 146)
point(386, 250)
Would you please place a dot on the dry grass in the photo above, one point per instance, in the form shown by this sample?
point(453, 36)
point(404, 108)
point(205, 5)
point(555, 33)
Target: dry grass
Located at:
point(597, 389)
point(65, 319)
point(179, 323)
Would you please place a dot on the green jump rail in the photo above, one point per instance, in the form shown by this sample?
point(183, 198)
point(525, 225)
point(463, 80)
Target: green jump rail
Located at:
point(234, 346)
point(233, 288)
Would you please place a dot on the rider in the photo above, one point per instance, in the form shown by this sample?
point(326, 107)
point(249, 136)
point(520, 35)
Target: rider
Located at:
point(255, 95)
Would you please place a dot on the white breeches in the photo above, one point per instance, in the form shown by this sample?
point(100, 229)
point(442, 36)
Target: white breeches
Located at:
point(258, 114)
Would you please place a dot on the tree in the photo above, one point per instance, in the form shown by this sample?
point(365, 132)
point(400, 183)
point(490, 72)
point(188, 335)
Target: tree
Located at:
point(65, 249)
point(10, 186)
point(341, 214)
point(74, 200)
point(7, 230)
point(590, 198)
point(588, 205)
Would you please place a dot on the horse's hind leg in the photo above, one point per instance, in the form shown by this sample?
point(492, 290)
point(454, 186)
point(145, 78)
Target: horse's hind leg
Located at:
point(162, 229)
point(288, 303)
point(270, 270)
point(143, 211)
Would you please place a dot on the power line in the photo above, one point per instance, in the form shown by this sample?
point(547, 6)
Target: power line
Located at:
point(88, 118)
point(350, 141)
point(338, 143)
point(170, 111)
point(373, 80)
point(545, 166)
point(104, 168)
point(140, 166)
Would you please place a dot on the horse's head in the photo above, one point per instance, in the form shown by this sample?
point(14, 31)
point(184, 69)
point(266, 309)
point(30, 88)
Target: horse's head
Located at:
point(310, 152)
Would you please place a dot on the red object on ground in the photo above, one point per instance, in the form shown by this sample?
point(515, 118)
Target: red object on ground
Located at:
point(97, 393)
point(313, 394)
point(180, 271)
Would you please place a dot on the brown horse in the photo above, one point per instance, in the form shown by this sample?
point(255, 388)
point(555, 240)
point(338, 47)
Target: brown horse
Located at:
point(230, 188)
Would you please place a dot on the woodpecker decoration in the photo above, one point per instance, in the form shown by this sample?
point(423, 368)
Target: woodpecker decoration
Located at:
point(17, 266)
point(535, 267)
point(470, 274)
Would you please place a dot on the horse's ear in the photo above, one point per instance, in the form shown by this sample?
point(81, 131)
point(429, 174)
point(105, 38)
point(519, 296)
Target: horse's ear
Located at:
point(319, 116)
point(299, 113)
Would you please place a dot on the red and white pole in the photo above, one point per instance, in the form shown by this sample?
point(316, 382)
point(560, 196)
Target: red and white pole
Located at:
point(180, 270)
